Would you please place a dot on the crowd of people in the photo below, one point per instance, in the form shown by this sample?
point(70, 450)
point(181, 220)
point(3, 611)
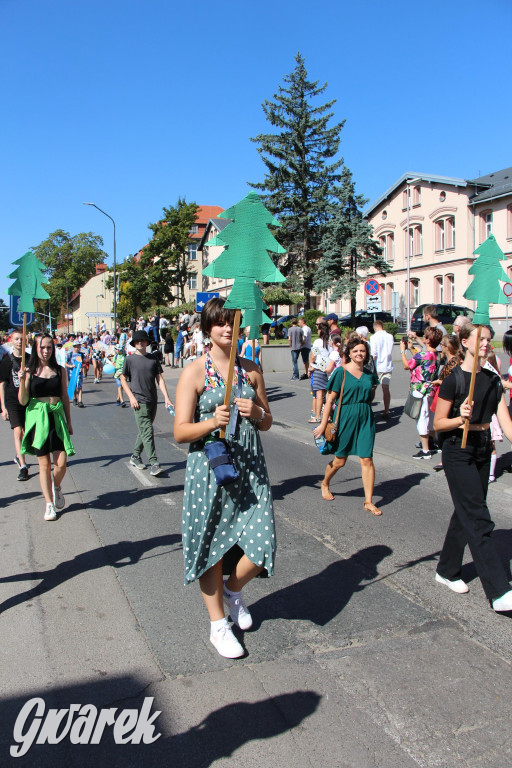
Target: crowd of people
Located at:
point(228, 524)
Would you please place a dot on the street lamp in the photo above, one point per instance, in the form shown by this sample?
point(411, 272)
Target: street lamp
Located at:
point(408, 310)
point(115, 263)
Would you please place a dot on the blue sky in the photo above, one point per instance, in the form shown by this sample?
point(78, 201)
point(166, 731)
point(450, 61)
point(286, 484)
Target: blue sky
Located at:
point(131, 104)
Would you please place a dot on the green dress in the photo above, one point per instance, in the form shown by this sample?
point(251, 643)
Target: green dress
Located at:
point(356, 428)
point(235, 519)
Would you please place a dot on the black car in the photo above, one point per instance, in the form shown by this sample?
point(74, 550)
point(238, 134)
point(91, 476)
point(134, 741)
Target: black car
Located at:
point(364, 318)
point(446, 314)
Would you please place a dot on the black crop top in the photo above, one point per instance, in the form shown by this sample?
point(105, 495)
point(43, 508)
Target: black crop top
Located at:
point(40, 387)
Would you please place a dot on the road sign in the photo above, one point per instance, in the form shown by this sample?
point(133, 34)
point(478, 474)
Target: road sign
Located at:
point(202, 298)
point(96, 314)
point(507, 290)
point(15, 317)
point(373, 304)
point(371, 287)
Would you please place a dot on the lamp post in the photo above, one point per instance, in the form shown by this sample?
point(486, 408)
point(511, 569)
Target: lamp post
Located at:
point(115, 263)
point(408, 281)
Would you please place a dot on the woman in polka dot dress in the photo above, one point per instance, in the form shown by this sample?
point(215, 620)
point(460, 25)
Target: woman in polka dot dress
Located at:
point(226, 529)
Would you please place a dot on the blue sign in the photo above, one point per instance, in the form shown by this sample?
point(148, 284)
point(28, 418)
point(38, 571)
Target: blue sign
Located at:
point(15, 317)
point(202, 298)
point(371, 287)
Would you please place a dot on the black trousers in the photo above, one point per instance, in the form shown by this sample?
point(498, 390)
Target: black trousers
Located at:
point(467, 473)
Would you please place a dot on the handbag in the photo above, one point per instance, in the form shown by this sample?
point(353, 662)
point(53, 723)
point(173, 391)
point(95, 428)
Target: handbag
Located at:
point(217, 449)
point(324, 443)
point(413, 405)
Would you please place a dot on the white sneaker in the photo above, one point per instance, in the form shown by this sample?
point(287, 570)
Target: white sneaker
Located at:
point(50, 513)
point(58, 497)
point(238, 611)
point(503, 603)
point(226, 643)
point(458, 586)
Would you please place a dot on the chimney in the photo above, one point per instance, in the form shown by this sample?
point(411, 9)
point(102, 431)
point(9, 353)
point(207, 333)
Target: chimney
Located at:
point(100, 268)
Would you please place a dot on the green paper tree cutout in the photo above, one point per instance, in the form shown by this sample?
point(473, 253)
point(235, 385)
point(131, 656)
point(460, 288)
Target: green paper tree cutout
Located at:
point(485, 287)
point(28, 282)
point(247, 241)
point(255, 317)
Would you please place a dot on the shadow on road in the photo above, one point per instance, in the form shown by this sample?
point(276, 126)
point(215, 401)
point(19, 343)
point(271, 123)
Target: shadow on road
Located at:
point(219, 735)
point(321, 597)
point(278, 393)
point(118, 555)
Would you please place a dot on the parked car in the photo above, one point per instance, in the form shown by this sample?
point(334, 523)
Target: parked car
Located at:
point(446, 313)
point(282, 319)
point(365, 318)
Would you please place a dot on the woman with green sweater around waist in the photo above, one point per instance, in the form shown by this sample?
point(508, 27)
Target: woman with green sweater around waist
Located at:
point(43, 388)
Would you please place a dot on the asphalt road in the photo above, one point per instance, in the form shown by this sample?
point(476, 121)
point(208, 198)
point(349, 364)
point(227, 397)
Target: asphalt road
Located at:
point(357, 657)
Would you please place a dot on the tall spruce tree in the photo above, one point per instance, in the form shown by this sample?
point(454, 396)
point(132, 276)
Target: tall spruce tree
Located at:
point(301, 172)
point(347, 247)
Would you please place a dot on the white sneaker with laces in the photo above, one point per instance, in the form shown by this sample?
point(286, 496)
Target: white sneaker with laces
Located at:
point(238, 610)
point(458, 586)
point(225, 643)
point(503, 603)
point(58, 497)
point(50, 513)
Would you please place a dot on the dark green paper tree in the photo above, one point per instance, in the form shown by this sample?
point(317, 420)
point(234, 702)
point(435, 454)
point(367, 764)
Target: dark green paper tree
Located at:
point(255, 317)
point(28, 282)
point(485, 287)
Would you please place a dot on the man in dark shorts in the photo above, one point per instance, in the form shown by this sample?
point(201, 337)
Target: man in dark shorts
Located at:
point(143, 372)
point(12, 411)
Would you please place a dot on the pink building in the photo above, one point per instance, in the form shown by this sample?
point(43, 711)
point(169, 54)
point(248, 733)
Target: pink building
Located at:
point(435, 223)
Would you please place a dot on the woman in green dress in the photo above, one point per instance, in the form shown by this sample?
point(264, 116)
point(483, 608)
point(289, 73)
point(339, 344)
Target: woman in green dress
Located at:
point(356, 427)
point(227, 529)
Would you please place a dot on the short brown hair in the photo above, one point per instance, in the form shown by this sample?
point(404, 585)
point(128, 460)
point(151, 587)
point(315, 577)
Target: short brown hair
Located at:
point(379, 323)
point(213, 313)
point(433, 336)
point(431, 310)
point(355, 341)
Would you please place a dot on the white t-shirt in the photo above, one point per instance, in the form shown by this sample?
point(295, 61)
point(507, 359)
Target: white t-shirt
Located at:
point(321, 355)
point(381, 346)
point(198, 339)
point(306, 333)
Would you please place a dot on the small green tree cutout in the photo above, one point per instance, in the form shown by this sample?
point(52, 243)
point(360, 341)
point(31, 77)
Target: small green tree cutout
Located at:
point(255, 317)
point(28, 282)
point(247, 241)
point(485, 287)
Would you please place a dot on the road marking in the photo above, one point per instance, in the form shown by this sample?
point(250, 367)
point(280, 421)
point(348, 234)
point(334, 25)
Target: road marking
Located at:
point(170, 502)
point(144, 478)
point(100, 432)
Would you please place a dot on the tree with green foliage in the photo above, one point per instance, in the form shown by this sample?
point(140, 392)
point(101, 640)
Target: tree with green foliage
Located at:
point(301, 172)
point(348, 249)
point(69, 262)
point(165, 259)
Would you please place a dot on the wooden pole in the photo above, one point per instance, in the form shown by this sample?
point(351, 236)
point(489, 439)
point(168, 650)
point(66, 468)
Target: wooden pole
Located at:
point(23, 341)
point(476, 358)
point(232, 358)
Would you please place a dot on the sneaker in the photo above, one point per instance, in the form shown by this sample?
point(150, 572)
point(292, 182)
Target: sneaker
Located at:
point(117, 402)
point(226, 643)
point(23, 473)
point(503, 603)
point(50, 513)
point(137, 463)
point(17, 461)
point(294, 378)
point(492, 479)
point(123, 405)
point(80, 405)
point(304, 376)
point(238, 610)
point(58, 497)
point(156, 470)
point(458, 585)
point(421, 455)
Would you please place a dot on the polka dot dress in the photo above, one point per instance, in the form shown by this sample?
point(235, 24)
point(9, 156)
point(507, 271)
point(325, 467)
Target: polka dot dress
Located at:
point(216, 519)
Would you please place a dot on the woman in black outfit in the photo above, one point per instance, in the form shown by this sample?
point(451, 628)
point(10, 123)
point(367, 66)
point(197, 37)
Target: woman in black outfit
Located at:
point(43, 386)
point(467, 471)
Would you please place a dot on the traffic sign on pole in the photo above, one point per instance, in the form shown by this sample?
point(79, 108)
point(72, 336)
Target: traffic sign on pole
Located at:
point(507, 290)
point(15, 317)
point(203, 297)
point(371, 287)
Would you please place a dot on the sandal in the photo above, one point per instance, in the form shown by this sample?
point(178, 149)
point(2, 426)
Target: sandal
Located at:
point(370, 507)
point(314, 420)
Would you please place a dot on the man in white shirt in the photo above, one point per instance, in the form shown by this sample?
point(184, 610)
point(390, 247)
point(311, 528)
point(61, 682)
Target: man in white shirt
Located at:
point(381, 346)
